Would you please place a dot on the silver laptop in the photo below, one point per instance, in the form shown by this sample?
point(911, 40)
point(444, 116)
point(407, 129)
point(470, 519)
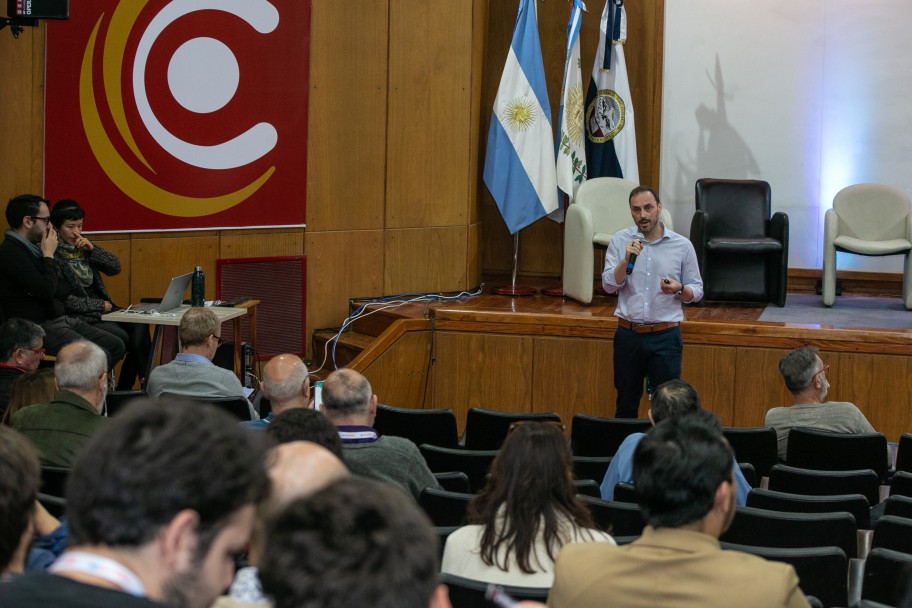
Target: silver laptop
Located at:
point(173, 298)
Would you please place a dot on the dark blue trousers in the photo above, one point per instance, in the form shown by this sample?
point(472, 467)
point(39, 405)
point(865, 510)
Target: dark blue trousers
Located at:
point(657, 355)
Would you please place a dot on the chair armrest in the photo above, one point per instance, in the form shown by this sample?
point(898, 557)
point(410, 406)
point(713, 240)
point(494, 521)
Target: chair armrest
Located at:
point(856, 578)
point(698, 237)
point(779, 228)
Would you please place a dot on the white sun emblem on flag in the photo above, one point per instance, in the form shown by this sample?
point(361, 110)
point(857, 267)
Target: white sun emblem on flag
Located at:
point(520, 113)
point(575, 109)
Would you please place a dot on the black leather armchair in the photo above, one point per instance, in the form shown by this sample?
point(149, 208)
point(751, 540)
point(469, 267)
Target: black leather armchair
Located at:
point(742, 251)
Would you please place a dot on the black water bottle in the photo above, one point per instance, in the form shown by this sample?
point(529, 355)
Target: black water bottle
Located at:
point(198, 288)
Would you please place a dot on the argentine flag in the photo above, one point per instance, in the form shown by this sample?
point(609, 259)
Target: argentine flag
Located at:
point(519, 165)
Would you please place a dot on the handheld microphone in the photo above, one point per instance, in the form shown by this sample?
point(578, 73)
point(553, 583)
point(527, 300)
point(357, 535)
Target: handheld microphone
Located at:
point(633, 258)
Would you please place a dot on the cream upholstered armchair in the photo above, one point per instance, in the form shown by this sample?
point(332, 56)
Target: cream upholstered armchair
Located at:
point(600, 209)
point(867, 219)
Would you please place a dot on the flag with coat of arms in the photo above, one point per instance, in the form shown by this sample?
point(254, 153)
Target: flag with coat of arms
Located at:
point(610, 132)
point(519, 168)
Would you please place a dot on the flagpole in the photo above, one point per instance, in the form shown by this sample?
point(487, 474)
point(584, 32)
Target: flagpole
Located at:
point(513, 289)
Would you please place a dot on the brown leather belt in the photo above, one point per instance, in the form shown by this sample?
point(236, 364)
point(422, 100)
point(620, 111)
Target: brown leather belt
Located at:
point(646, 328)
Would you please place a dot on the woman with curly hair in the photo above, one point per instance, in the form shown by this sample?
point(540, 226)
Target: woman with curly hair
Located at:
point(525, 513)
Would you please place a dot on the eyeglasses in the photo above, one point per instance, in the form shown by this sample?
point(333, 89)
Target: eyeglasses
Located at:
point(824, 370)
point(38, 351)
point(38, 217)
point(219, 340)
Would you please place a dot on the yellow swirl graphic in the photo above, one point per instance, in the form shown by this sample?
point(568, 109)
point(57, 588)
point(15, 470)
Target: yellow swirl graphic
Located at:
point(119, 171)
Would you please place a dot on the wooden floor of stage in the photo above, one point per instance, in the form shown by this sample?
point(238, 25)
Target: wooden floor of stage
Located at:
point(544, 353)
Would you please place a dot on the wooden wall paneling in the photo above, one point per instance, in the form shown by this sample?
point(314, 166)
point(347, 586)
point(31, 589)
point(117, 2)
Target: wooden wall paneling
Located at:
point(400, 376)
point(340, 265)
point(711, 370)
point(573, 376)
point(419, 260)
point(261, 243)
point(119, 285)
point(477, 134)
point(347, 124)
point(482, 370)
point(757, 385)
point(155, 259)
point(429, 113)
point(645, 58)
point(879, 385)
point(473, 256)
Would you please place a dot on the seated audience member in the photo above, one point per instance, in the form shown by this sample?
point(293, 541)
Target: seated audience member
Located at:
point(61, 428)
point(285, 383)
point(21, 350)
point(19, 481)
point(357, 542)
point(683, 474)
point(304, 424)
point(80, 264)
point(192, 374)
point(671, 399)
point(159, 503)
point(350, 404)
point(525, 513)
point(36, 386)
point(29, 285)
point(805, 376)
point(296, 469)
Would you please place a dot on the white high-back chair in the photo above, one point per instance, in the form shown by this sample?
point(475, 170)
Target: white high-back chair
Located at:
point(867, 219)
point(600, 209)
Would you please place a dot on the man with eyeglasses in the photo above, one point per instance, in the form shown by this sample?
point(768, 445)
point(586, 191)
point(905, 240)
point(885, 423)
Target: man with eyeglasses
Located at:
point(192, 373)
point(21, 351)
point(805, 376)
point(29, 287)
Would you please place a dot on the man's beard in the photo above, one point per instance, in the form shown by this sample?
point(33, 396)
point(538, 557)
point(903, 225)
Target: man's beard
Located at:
point(186, 590)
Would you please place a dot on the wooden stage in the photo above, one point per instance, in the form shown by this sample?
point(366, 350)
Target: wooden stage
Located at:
point(541, 353)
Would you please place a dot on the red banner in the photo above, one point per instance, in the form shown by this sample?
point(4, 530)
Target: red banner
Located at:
point(181, 114)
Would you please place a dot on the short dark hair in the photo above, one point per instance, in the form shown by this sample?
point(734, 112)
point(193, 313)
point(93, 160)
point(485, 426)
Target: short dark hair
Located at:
point(357, 542)
point(22, 206)
point(18, 333)
point(798, 368)
point(677, 468)
point(19, 479)
point(529, 495)
point(66, 210)
point(641, 190)
point(673, 399)
point(346, 392)
point(304, 424)
point(157, 458)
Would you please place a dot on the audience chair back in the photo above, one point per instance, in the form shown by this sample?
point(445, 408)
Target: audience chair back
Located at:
point(597, 436)
point(238, 407)
point(901, 484)
point(825, 451)
point(794, 480)
point(894, 533)
point(749, 473)
point(55, 505)
point(487, 429)
point(454, 481)
point(856, 504)
point(445, 508)
point(435, 427)
point(900, 506)
point(588, 487)
point(741, 247)
point(468, 593)
point(625, 492)
point(117, 400)
point(591, 467)
point(904, 453)
point(474, 463)
point(867, 219)
point(616, 518)
point(762, 528)
point(822, 571)
point(757, 446)
point(54, 480)
point(886, 576)
point(443, 533)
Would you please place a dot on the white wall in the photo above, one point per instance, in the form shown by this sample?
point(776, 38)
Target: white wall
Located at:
point(811, 96)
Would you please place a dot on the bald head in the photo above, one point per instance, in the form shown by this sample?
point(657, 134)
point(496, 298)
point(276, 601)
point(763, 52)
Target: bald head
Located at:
point(299, 469)
point(285, 383)
point(348, 398)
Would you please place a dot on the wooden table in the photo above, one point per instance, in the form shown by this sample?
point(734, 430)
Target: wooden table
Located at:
point(172, 318)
